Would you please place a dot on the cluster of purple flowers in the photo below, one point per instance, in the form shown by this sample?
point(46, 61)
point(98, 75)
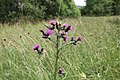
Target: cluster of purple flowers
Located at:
point(61, 31)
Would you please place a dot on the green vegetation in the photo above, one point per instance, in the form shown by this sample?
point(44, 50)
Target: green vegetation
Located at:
point(101, 8)
point(95, 58)
point(12, 10)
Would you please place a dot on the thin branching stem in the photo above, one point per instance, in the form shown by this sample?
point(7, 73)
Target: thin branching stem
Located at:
point(65, 45)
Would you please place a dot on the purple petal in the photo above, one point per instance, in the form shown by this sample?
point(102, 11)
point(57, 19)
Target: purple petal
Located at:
point(49, 32)
point(65, 25)
point(35, 47)
point(71, 28)
point(52, 22)
point(65, 38)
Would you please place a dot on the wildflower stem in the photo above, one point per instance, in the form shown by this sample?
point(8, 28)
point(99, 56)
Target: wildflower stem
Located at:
point(57, 57)
point(65, 45)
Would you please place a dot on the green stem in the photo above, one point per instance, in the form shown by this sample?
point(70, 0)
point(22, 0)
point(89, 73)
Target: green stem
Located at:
point(57, 57)
point(65, 45)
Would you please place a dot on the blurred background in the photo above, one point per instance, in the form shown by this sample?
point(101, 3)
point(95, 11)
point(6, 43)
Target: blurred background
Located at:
point(13, 10)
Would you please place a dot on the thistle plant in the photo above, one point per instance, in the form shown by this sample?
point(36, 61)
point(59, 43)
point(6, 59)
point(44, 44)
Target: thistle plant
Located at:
point(60, 31)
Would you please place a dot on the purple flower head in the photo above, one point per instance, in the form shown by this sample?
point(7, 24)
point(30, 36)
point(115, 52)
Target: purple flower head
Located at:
point(76, 40)
point(53, 22)
point(63, 34)
point(60, 71)
point(35, 47)
point(65, 38)
point(49, 32)
point(70, 28)
point(65, 25)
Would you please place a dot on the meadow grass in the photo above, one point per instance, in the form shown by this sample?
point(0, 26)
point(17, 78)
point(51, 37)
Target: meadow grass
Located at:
point(97, 57)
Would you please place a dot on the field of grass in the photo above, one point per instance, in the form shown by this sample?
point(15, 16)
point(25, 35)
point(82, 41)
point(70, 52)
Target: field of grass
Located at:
point(97, 57)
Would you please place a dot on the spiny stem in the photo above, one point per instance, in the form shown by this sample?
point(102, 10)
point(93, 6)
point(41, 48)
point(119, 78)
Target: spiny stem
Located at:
point(57, 57)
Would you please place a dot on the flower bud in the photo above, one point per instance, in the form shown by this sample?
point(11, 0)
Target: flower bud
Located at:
point(65, 38)
point(35, 47)
point(53, 22)
point(60, 71)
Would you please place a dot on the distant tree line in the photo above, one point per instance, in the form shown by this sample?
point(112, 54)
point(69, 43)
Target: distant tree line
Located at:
point(11, 10)
point(101, 8)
